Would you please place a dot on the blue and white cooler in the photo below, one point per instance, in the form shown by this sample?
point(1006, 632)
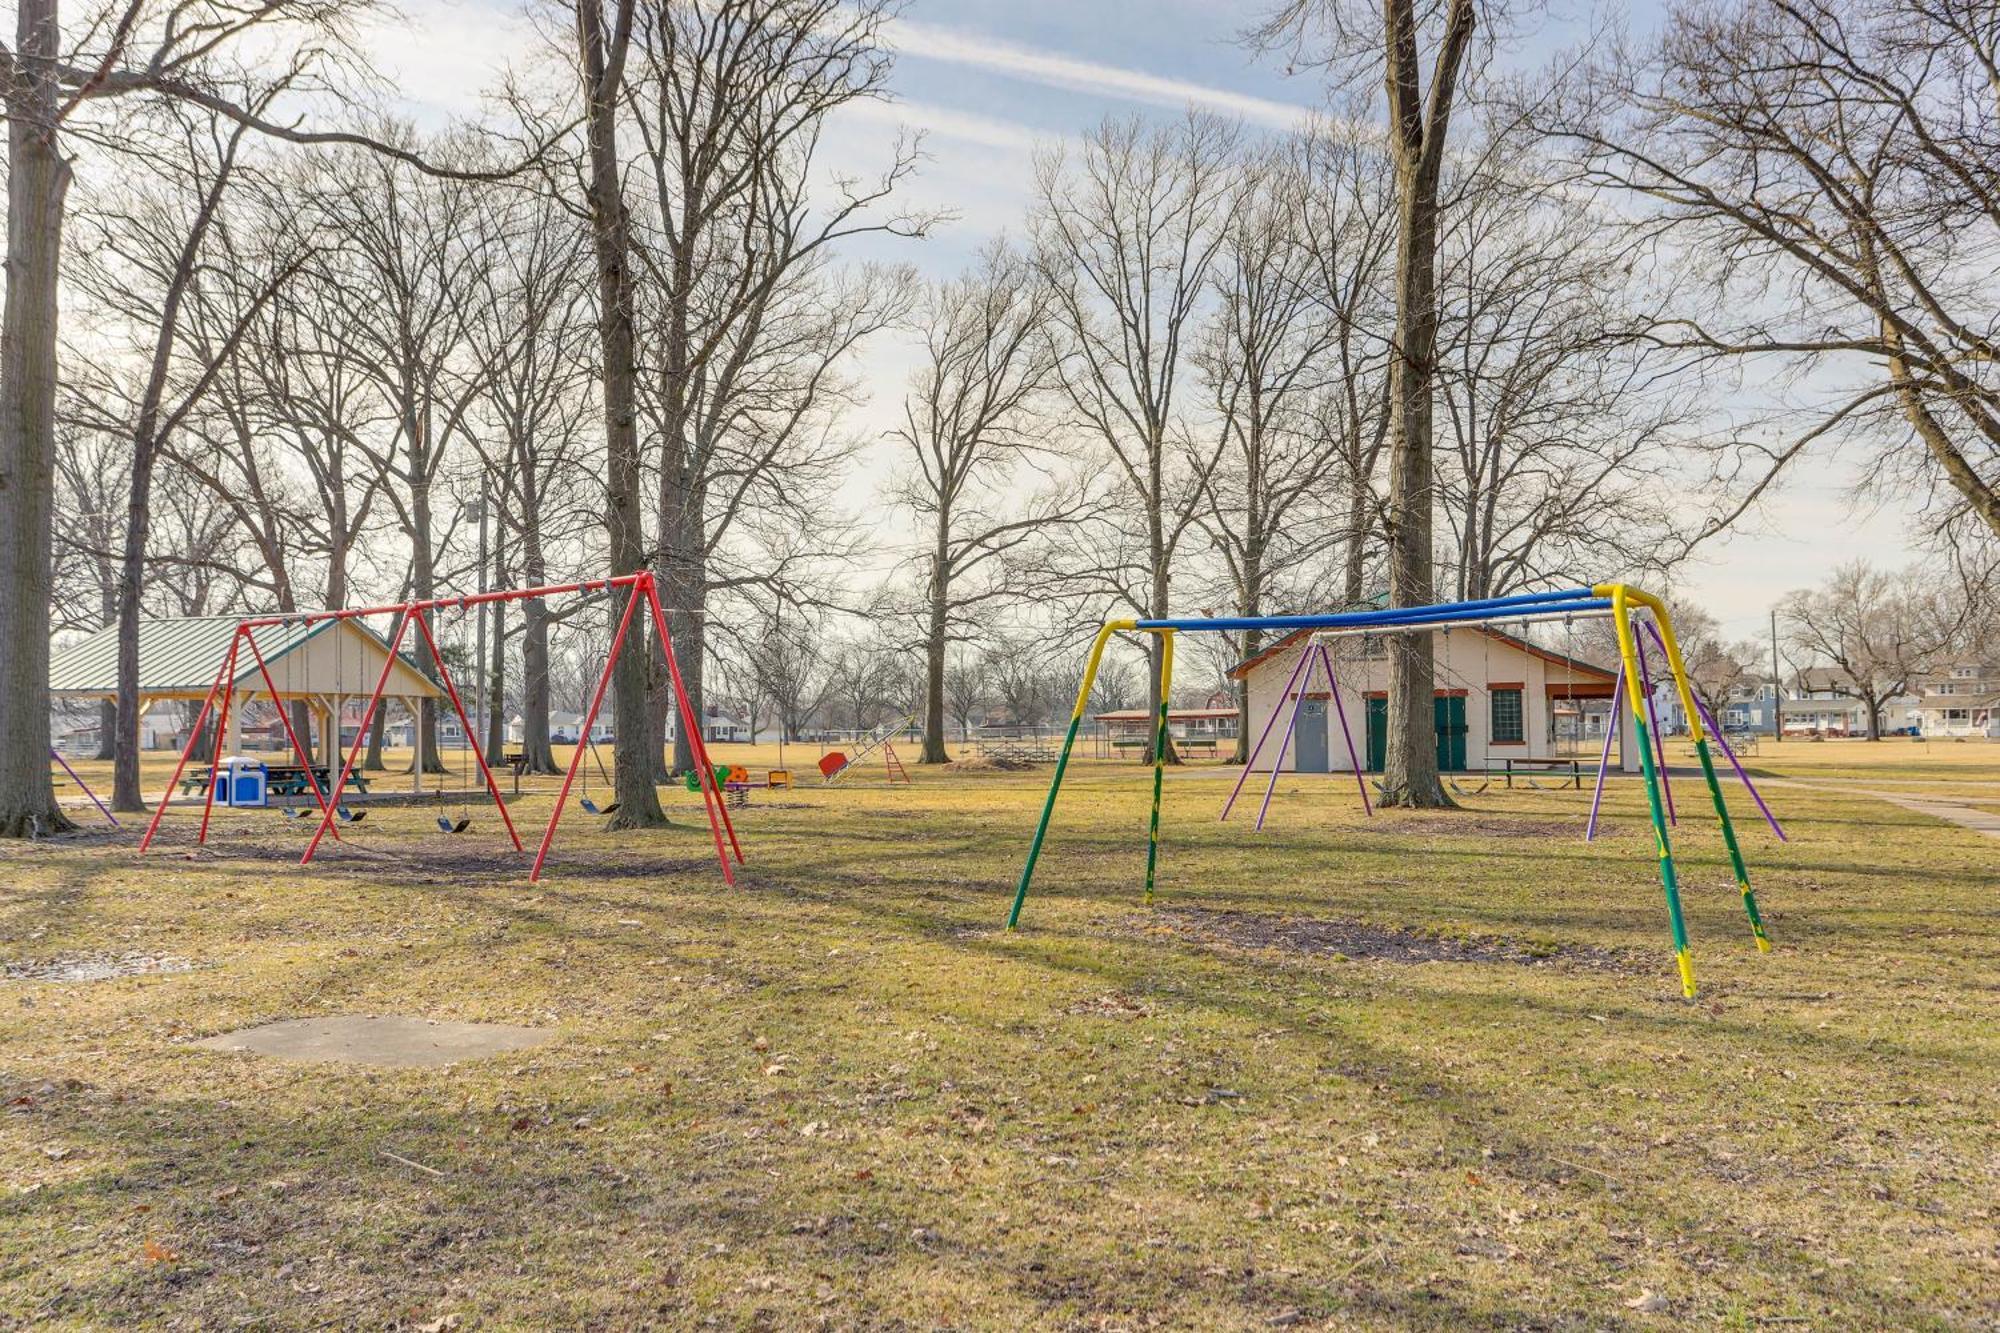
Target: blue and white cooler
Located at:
point(241, 780)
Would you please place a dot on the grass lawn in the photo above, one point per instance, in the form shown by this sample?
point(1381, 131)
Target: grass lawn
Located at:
point(1423, 1070)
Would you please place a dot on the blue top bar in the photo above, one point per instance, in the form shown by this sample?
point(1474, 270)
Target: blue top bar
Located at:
point(1528, 603)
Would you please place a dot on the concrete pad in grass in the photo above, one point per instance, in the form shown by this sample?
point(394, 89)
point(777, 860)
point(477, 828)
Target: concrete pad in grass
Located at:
point(415, 1043)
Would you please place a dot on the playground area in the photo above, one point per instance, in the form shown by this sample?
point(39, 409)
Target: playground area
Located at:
point(1427, 1069)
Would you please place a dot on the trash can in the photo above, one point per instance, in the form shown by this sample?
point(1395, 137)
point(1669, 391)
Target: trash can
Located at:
point(243, 781)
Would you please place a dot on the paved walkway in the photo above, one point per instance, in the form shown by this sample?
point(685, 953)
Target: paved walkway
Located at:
point(1937, 807)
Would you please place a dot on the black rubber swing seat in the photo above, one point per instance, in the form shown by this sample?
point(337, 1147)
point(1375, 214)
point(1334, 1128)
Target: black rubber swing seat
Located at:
point(446, 826)
point(349, 815)
point(590, 807)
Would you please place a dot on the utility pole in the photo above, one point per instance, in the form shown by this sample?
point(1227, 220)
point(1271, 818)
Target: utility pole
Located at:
point(1777, 686)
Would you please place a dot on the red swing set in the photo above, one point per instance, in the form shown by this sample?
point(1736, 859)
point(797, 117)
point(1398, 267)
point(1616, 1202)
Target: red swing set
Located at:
point(642, 589)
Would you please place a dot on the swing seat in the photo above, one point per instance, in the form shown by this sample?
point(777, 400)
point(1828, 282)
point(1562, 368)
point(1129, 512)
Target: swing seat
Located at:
point(293, 812)
point(591, 807)
point(1455, 786)
point(349, 815)
point(446, 826)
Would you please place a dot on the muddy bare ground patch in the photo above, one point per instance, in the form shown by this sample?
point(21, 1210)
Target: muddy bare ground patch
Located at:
point(1480, 826)
point(443, 859)
point(1361, 941)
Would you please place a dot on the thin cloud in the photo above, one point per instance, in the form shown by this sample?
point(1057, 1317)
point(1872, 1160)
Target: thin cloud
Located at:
point(926, 41)
point(946, 123)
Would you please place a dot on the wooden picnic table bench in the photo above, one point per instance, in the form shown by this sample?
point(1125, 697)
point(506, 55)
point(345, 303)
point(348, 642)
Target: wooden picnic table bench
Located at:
point(282, 780)
point(1571, 769)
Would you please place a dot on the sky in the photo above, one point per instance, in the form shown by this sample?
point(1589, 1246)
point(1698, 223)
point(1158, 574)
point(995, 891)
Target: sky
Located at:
point(986, 83)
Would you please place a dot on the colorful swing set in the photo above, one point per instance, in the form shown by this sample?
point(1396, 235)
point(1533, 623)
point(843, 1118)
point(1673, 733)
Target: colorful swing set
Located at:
point(1620, 602)
point(640, 588)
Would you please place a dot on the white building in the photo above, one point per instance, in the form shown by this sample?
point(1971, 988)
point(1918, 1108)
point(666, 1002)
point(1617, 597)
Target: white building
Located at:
point(1963, 700)
point(1497, 697)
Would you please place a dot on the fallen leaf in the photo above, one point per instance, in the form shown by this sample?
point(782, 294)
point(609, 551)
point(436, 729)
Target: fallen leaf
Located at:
point(157, 1253)
point(1648, 1301)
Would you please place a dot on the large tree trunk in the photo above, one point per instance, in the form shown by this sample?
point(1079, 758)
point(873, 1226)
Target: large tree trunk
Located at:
point(1419, 126)
point(378, 734)
point(535, 688)
point(1410, 766)
point(684, 587)
point(602, 68)
point(125, 794)
point(535, 658)
point(1253, 639)
point(496, 689)
point(934, 648)
point(423, 586)
point(1159, 609)
point(37, 181)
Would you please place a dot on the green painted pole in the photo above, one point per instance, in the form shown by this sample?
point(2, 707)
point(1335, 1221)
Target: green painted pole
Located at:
point(1628, 654)
point(1735, 852)
point(1160, 741)
point(1669, 878)
point(1062, 765)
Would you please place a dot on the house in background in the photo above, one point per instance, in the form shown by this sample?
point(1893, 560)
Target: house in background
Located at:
point(1962, 701)
point(1818, 704)
point(1496, 697)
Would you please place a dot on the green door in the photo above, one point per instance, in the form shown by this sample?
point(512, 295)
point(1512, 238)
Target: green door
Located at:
point(1448, 710)
point(1448, 718)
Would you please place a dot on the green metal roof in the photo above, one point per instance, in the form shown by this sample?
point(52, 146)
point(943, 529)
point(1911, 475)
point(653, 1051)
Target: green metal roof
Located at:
point(182, 655)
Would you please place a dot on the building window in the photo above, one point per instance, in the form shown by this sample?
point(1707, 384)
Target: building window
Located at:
point(1508, 728)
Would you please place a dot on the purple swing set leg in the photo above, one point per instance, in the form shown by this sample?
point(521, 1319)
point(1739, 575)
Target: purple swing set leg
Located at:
point(1313, 652)
point(1250, 761)
point(1708, 721)
point(111, 818)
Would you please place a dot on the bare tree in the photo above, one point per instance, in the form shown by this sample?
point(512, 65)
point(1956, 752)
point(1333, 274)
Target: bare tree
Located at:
point(1420, 102)
point(1563, 422)
point(603, 43)
point(1348, 227)
point(788, 663)
point(743, 324)
point(965, 438)
point(150, 260)
point(1828, 167)
point(138, 50)
point(527, 329)
point(414, 252)
point(1715, 666)
point(93, 475)
point(1263, 357)
point(1125, 234)
point(965, 691)
point(1879, 632)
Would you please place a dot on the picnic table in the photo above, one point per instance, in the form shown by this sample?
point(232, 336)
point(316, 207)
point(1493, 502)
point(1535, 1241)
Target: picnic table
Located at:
point(1570, 769)
point(282, 780)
